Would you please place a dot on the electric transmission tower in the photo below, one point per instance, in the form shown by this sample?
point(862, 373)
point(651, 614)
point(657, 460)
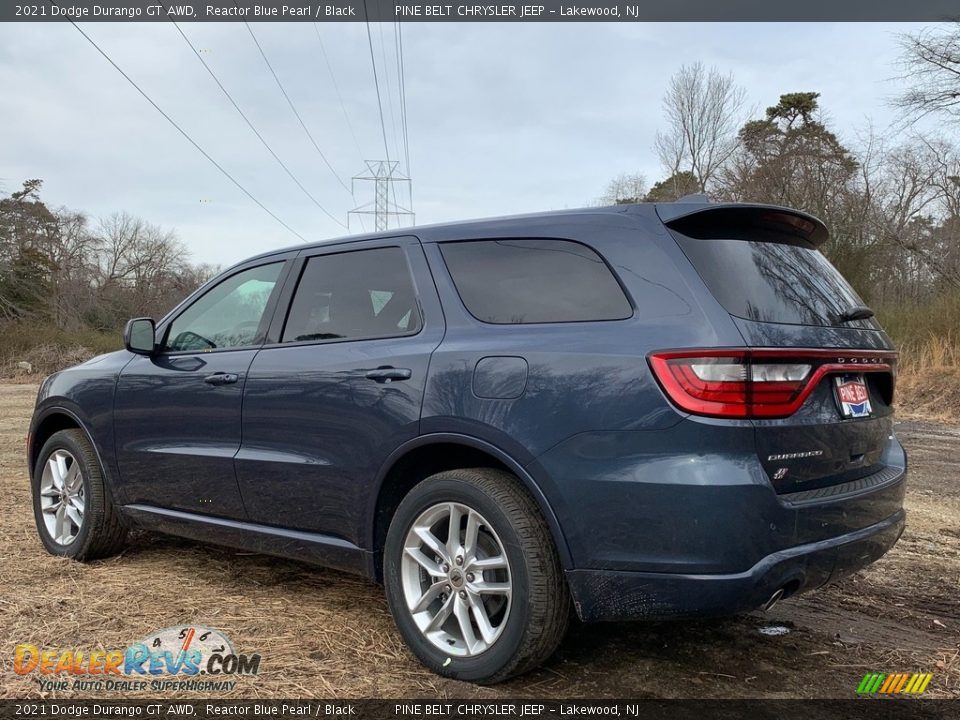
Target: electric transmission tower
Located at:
point(384, 206)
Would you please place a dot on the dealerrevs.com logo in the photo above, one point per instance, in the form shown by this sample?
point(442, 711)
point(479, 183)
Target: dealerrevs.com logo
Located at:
point(186, 657)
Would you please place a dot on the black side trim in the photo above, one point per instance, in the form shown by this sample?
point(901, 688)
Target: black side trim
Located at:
point(309, 547)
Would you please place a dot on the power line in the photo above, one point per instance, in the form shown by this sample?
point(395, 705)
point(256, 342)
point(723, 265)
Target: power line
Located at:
point(403, 109)
point(383, 124)
point(389, 93)
point(181, 130)
point(376, 82)
point(336, 89)
point(403, 96)
point(343, 107)
point(293, 107)
point(251, 126)
point(386, 82)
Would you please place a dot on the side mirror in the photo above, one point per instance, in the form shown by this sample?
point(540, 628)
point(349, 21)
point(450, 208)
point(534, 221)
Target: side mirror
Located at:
point(140, 336)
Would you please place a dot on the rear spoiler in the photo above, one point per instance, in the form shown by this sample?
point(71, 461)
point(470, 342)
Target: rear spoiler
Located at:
point(742, 220)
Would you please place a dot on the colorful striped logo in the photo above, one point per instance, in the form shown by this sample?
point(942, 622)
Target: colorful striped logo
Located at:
point(894, 683)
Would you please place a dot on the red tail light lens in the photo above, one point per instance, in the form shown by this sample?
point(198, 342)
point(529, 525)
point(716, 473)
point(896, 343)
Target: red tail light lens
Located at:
point(754, 383)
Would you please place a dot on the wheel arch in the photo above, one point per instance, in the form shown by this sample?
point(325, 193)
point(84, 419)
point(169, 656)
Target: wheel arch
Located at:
point(52, 420)
point(425, 455)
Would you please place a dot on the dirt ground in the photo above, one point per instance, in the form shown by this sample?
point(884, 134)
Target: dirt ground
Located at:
point(325, 634)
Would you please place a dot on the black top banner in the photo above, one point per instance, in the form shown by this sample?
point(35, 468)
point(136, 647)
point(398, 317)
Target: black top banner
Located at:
point(499, 709)
point(536, 11)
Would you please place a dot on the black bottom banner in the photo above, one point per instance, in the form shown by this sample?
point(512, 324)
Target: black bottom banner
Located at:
point(872, 708)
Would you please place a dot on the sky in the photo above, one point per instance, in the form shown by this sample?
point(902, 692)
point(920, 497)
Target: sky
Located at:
point(502, 118)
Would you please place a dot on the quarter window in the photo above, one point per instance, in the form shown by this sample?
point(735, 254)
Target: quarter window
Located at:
point(228, 315)
point(534, 281)
point(356, 295)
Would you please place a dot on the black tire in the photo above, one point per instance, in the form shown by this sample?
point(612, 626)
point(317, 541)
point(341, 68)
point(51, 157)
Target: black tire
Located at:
point(102, 532)
point(540, 603)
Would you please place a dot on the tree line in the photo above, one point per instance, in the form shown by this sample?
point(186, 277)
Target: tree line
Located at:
point(59, 267)
point(891, 200)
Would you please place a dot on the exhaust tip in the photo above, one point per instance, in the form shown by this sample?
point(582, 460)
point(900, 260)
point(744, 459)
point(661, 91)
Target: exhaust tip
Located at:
point(774, 599)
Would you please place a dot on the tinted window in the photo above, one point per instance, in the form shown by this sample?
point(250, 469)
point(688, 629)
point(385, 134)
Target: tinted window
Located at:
point(534, 281)
point(348, 296)
point(228, 315)
point(784, 282)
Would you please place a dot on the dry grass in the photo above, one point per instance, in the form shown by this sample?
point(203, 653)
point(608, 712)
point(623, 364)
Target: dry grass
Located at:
point(326, 634)
point(930, 394)
point(928, 381)
point(48, 348)
point(928, 337)
point(933, 352)
point(42, 360)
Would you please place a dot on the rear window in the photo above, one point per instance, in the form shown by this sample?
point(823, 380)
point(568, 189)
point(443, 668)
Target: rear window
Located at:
point(781, 282)
point(534, 281)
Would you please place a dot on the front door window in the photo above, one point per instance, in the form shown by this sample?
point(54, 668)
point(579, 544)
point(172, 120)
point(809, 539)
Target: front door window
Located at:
point(228, 315)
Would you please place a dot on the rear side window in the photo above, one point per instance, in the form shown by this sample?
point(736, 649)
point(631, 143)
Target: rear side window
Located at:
point(356, 295)
point(780, 282)
point(534, 281)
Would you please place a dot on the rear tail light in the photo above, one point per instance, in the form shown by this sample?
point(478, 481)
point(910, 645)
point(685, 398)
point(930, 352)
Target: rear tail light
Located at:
point(754, 383)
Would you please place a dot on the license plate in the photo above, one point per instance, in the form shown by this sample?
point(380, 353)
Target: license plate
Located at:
point(853, 396)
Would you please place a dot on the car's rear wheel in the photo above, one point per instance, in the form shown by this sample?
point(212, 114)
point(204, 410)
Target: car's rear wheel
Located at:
point(72, 508)
point(472, 577)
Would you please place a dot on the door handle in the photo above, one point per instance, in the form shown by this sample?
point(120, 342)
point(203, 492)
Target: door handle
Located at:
point(389, 374)
point(221, 378)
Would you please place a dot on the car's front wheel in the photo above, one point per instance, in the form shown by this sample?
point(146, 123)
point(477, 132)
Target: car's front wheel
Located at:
point(74, 514)
point(472, 577)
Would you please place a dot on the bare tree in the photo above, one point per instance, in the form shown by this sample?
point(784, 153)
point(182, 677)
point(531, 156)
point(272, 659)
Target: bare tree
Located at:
point(141, 269)
point(931, 63)
point(921, 211)
point(703, 109)
point(69, 245)
point(625, 188)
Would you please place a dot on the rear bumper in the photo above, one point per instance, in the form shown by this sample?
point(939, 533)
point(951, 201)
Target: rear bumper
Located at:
point(612, 595)
point(695, 500)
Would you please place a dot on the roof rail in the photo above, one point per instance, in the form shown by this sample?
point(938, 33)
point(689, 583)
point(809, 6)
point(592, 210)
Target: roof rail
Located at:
point(693, 198)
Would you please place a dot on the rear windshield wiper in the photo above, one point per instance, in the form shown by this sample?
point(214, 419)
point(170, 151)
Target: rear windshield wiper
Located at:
point(857, 312)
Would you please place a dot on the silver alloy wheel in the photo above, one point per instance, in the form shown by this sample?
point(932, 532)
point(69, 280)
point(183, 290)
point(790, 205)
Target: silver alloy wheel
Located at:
point(456, 579)
point(61, 497)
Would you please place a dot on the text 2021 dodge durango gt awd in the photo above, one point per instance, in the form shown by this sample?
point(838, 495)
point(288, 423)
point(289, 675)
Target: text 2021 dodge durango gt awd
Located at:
point(644, 411)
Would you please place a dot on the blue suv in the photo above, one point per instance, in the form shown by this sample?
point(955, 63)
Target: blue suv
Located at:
point(643, 411)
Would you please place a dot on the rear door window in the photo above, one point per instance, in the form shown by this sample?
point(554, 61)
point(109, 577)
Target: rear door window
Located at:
point(779, 282)
point(534, 281)
point(356, 295)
